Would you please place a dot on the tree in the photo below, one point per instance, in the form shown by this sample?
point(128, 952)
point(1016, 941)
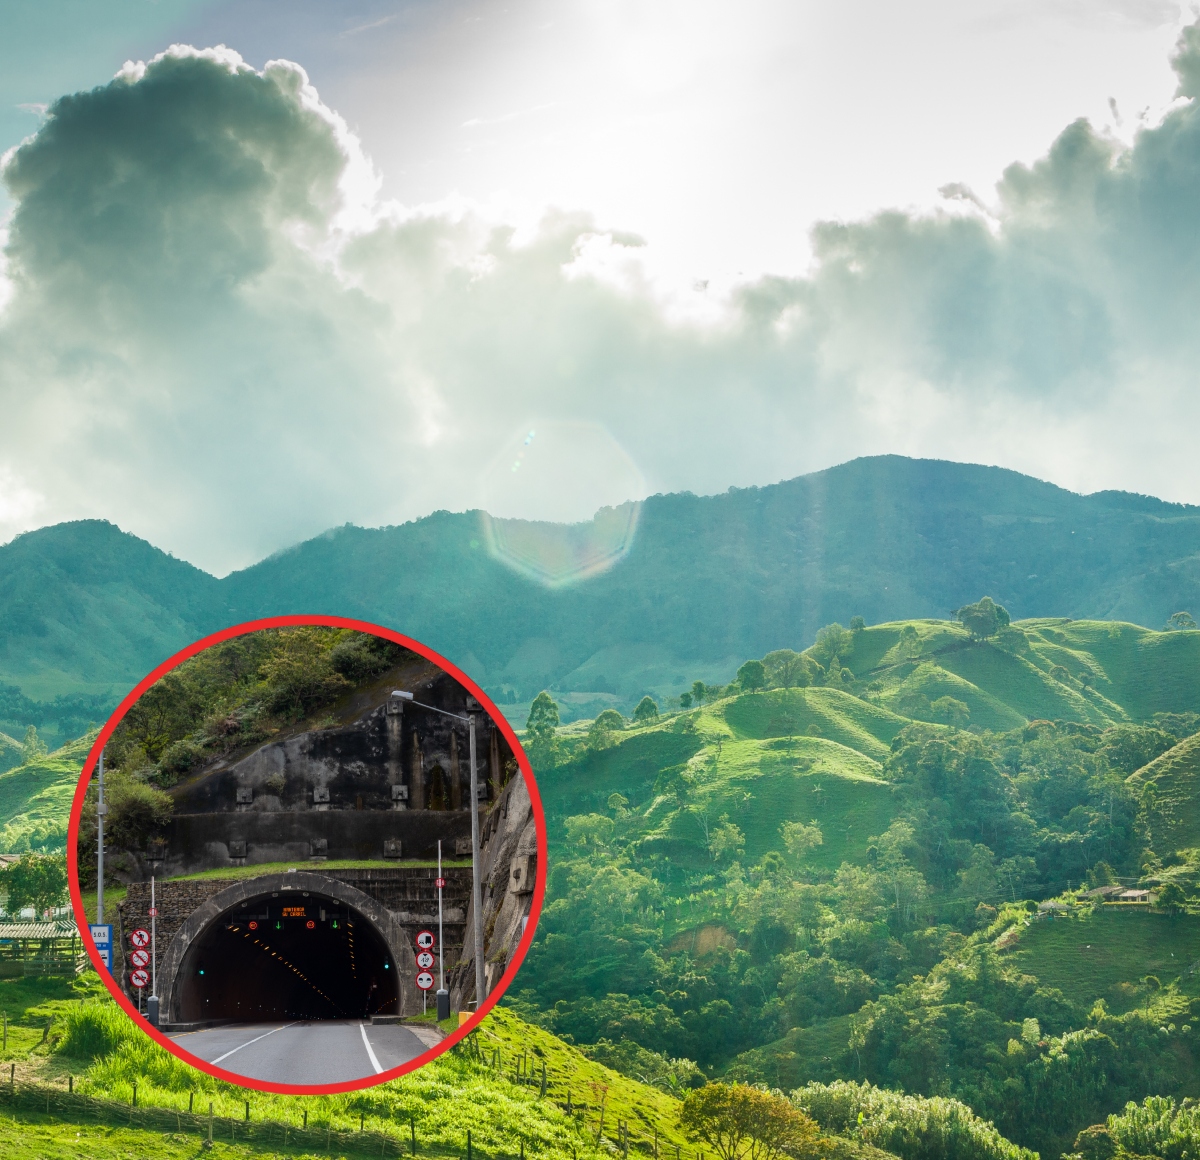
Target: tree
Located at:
point(950, 710)
point(685, 700)
point(541, 731)
point(833, 641)
point(698, 692)
point(600, 731)
point(983, 619)
point(726, 840)
point(1171, 898)
point(33, 747)
point(1180, 620)
point(36, 880)
point(786, 669)
point(739, 1121)
point(646, 711)
point(857, 624)
point(752, 675)
point(799, 839)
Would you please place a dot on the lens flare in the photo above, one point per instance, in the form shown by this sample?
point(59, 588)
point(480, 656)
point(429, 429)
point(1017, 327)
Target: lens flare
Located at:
point(540, 492)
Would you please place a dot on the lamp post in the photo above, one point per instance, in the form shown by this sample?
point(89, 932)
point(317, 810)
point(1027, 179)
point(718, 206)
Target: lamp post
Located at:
point(476, 899)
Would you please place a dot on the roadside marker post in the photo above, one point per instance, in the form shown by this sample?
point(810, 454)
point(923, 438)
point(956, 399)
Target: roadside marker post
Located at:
point(101, 933)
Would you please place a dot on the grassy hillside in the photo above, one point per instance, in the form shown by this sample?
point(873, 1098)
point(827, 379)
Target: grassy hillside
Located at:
point(1170, 788)
point(35, 798)
point(1108, 954)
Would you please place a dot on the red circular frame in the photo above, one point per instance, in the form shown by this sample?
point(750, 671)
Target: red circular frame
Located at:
point(452, 670)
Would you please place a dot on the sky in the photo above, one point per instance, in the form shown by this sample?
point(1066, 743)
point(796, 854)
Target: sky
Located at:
point(273, 267)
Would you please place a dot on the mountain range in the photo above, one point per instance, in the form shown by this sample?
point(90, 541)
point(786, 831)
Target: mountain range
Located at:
point(703, 583)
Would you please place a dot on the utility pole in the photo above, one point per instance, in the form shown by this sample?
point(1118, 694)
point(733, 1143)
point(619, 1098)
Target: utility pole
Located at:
point(476, 899)
point(152, 1003)
point(443, 996)
point(101, 810)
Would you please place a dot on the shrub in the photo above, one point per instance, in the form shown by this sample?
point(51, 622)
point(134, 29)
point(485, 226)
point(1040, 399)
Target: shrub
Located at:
point(93, 1030)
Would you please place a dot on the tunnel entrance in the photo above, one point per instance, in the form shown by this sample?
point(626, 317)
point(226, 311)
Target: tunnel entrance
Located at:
point(310, 958)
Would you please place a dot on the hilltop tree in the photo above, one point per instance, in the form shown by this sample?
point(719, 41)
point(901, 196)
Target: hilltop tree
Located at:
point(950, 710)
point(786, 669)
point(698, 691)
point(745, 1123)
point(685, 700)
point(541, 731)
point(752, 675)
point(1180, 620)
point(983, 619)
point(857, 624)
point(33, 746)
point(646, 711)
point(833, 641)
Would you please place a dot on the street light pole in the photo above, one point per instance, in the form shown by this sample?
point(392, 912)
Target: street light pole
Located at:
point(476, 900)
point(152, 1004)
point(101, 810)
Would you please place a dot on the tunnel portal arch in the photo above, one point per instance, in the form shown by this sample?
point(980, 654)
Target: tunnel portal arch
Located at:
point(318, 949)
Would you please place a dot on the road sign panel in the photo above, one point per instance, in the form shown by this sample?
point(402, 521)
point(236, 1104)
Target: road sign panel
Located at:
point(424, 980)
point(140, 958)
point(153, 912)
point(425, 940)
point(101, 933)
point(440, 883)
point(425, 960)
point(140, 937)
point(139, 978)
point(105, 954)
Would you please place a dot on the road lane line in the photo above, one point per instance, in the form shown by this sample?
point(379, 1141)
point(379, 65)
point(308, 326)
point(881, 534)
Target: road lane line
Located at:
point(250, 1041)
point(367, 1043)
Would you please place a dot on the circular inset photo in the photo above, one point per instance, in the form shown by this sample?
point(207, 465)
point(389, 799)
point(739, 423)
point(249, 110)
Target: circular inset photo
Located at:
point(307, 854)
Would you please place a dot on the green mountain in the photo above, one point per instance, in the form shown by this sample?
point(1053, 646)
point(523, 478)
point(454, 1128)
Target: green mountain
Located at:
point(874, 868)
point(705, 582)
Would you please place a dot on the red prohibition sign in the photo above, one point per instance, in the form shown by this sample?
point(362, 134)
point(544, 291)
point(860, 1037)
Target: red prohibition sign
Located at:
point(140, 958)
point(425, 940)
point(140, 937)
point(424, 980)
point(440, 883)
point(139, 978)
point(303, 621)
point(425, 960)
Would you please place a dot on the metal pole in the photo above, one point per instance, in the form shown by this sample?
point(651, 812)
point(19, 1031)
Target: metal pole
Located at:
point(152, 1005)
point(441, 953)
point(101, 810)
point(476, 900)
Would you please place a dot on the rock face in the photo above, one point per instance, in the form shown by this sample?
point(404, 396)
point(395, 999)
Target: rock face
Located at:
point(508, 875)
point(389, 780)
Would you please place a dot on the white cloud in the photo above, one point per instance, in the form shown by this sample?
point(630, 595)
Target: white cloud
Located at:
point(220, 337)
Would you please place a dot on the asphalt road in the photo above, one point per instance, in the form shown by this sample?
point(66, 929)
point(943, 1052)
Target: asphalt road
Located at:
point(326, 1051)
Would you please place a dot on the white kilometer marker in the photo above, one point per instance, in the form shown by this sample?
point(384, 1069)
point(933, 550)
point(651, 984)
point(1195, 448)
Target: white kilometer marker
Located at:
point(250, 1041)
point(374, 1062)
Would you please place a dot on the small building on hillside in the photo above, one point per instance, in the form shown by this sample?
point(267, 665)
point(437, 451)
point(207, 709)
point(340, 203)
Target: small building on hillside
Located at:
point(1144, 896)
point(1106, 893)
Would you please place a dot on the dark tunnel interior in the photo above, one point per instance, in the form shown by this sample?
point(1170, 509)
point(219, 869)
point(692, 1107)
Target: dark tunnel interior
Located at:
point(295, 958)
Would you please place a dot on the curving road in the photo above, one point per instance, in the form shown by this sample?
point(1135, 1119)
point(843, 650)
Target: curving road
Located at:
point(321, 1052)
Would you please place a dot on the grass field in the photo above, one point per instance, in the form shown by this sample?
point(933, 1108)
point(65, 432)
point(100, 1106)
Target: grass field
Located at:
point(1173, 780)
point(1106, 954)
point(829, 713)
point(35, 798)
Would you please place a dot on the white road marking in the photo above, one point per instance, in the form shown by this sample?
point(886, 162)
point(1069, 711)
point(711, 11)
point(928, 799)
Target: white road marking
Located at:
point(250, 1041)
point(367, 1043)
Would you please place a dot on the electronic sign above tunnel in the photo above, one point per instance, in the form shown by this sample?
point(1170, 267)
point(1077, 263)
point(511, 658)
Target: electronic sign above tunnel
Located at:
point(304, 865)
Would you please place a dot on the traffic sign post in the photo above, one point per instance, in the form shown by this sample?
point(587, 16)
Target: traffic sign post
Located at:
point(101, 933)
point(152, 1003)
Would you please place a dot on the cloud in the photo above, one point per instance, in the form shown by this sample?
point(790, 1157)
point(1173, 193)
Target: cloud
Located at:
point(218, 336)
